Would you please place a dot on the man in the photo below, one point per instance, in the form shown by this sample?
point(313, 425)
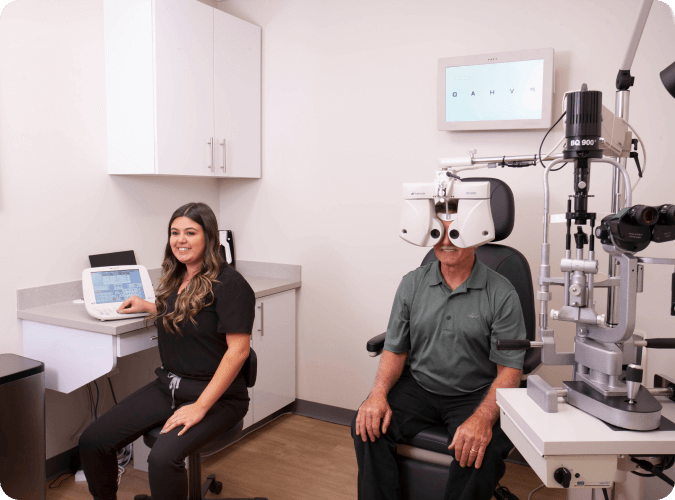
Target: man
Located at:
point(446, 319)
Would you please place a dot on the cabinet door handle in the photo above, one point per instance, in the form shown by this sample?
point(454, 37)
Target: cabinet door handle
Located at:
point(223, 165)
point(262, 316)
point(154, 337)
point(211, 164)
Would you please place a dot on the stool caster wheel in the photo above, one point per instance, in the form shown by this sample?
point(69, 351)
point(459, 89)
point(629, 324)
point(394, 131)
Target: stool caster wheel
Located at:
point(216, 487)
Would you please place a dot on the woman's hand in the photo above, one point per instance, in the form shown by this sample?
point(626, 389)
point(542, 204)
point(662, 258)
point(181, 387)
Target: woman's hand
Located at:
point(187, 415)
point(136, 305)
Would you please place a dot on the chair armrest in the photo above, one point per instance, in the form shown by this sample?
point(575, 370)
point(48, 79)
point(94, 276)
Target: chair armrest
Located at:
point(250, 368)
point(375, 345)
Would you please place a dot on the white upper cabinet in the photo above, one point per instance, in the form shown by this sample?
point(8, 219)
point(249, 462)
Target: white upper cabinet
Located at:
point(237, 96)
point(182, 89)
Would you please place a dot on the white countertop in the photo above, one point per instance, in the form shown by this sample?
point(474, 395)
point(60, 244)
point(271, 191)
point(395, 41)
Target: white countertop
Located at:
point(571, 431)
point(72, 315)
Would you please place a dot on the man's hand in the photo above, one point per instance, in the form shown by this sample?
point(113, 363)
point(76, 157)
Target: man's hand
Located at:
point(473, 436)
point(372, 411)
point(376, 408)
point(470, 441)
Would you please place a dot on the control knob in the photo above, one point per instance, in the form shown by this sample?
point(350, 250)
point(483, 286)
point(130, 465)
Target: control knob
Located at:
point(563, 477)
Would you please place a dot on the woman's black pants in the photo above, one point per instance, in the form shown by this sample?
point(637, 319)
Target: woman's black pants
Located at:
point(415, 409)
point(145, 409)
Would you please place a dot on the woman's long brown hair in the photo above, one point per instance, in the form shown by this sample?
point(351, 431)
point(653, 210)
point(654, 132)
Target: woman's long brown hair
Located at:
point(191, 300)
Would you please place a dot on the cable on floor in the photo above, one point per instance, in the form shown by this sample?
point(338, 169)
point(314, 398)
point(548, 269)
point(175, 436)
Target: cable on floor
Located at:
point(51, 485)
point(123, 459)
point(529, 497)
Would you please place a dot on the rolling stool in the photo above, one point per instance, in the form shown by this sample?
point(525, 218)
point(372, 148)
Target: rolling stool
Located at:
point(195, 491)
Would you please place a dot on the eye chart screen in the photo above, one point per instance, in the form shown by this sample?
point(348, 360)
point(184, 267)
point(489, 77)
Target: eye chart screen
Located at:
point(117, 286)
point(499, 91)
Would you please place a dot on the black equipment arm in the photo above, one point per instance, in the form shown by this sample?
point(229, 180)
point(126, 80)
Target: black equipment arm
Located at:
point(512, 345)
point(660, 343)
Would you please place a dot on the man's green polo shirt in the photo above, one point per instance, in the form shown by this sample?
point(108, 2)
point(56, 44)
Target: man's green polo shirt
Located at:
point(451, 334)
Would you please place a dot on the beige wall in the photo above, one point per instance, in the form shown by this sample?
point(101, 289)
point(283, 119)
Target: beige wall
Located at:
point(57, 203)
point(349, 110)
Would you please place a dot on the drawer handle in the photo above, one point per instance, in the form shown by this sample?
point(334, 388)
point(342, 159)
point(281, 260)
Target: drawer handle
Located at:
point(154, 337)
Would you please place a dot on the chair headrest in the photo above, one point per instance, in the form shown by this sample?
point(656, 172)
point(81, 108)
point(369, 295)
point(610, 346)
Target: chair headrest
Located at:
point(502, 205)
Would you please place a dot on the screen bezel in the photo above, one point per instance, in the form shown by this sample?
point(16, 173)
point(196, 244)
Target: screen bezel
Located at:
point(504, 57)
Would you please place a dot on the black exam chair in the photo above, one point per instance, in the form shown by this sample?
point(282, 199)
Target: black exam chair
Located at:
point(424, 461)
point(197, 491)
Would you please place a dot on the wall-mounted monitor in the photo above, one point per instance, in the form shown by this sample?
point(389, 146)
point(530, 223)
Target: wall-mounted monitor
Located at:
point(511, 90)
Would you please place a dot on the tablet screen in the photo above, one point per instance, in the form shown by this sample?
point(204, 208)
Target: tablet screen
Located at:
point(117, 286)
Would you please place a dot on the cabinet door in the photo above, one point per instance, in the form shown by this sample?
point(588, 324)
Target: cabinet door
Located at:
point(129, 86)
point(237, 96)
point(183, 39)
point(274, 343)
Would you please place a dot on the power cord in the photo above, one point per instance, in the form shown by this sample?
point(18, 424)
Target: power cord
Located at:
point(123, 459)
point(542, 144)
point(124, 455)
point(535, 158)
point(654, 470)
point(112, 390)
point(51, 485)
point(529, 497)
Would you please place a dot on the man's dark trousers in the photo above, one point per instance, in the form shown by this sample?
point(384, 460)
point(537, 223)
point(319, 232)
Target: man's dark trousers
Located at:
point(415, 409)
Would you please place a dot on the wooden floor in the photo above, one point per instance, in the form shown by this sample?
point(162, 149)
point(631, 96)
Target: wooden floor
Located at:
point(291, 458)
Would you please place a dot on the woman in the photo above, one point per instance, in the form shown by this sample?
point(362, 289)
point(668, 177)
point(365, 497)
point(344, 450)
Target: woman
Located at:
point(204, 315)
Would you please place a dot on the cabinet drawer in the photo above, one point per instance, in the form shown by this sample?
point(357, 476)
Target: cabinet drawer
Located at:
point(129, 343)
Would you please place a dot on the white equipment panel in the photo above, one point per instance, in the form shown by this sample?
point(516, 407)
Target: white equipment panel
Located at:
point(105, 288)
point(575, 440)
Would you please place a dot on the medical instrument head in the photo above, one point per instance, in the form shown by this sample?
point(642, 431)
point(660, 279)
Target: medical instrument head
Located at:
point(471, 224)
point(583, 124)
point(633, 228)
